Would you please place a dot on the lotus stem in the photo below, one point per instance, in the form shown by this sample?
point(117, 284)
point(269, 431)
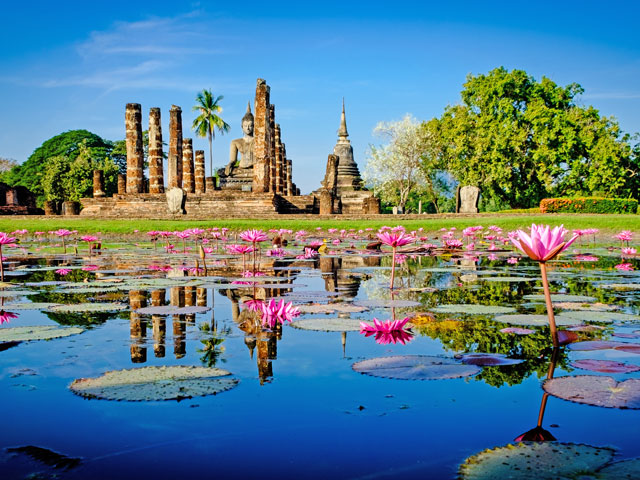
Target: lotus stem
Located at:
point(1, 265)
point(393, 267)
point(552, 367)
point(547, 298)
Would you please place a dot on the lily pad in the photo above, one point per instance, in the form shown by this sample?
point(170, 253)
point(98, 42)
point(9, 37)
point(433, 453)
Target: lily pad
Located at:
point(171, 310)
point(89, 307)
point(488, 359)
point(472, 309)
point(535, 461)
point(604, 317)
point(415, 367)
point(30, 306)
point(517, 330)
point(621, 286)
point(331, 308)
point(328, 324)
point(387, 303)
point(155, 383)
point(594, 307)
point(596, 390)
point(561, 297)
point(16, 293)
point(38, 332)
point(536, 320)
point(625, 469)
point(508, 279)
point(605, 366)
point(591, 345)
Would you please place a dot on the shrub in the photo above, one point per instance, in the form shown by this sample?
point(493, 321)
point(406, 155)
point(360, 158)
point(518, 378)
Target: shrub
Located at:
point(589, 205)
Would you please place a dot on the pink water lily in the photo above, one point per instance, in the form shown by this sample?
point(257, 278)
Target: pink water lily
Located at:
point(395, 239)
point(254, 236)
point(391, 331)
point(626, 267)
point(274, 313)
point(543, 244)
point(4, 240)
point(63, 271)
point(5, 317)
point(90, 268)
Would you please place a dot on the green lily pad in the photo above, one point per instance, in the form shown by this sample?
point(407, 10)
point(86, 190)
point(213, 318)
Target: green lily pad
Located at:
point(155, 383)
point(328, 324)
point(535, 461)
point(561, 297)
point(472, 309)
point(331, 308)
point(16, 293)
point(89, 307)
point(603, 317)
point(594, 390)
point(508, 279)
point(387, 303)
point(30, 306)
point(38, 332)
point(415, 367)
point(536, 320)
point(621, 286)
point(625, 469)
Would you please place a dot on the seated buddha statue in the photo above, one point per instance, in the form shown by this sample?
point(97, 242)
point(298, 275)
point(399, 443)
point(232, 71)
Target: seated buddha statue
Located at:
point(241, 157)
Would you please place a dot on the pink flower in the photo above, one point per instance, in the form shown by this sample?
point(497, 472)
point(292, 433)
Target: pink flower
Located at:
point(391, 331)
point(395, 239)
point(237, 249)
point(624, 236)
point(627, 267)
point(6, 239)
point(492, 257)
point(89, 238)
point(629, 251)
point(183, 235)
point(586, 258)
point(254, 236)
point(274, 313)
point(308, 253)
point(453, 243)
point(63, 232)
point(276, 252)
point(5, 317)
point(512, 261)
point(543, 244)
point(254, 305)
point(63, 271)
point(90, 268)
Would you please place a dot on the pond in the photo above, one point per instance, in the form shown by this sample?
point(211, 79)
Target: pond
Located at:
point(211, 390)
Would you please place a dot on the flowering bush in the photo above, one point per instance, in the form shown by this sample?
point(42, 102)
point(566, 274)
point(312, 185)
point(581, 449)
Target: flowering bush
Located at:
point(589, 205)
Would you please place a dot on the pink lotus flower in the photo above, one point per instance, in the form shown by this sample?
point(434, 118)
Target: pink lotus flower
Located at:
point(90, 268)
point(627, 267)
point(586, 258)
point(254, 305)
point(63, 271)
point(391, 331)
point(624, 236)
point(89, 238)
point(254, 236)
point(629, 251)
point(395, 239)
point(453, 243)
point(6, 239)
point(308, 253)
point(274, 313)
point(63, 232)
point(276, 252)
point(5, 317)
point(543, 244)
point(237, 249)
point(512, 261)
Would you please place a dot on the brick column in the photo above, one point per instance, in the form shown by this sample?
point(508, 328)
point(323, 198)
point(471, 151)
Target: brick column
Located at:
point(135, 154)
point(278, 161)
point(122, 184)
point(98, 184)
point(156, 173)
point(188, 179)
point(261, 139)
point(175, 147)
point(272, 148)
point(289, 179)
point(199, 172)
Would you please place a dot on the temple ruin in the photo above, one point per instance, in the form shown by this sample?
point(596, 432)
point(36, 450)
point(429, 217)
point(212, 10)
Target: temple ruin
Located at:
point(257, 180)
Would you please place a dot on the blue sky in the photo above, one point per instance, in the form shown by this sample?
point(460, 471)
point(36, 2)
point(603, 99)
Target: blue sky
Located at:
point(68, 65)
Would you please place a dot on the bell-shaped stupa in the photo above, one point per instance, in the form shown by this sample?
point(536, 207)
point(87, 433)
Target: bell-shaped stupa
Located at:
point(348, 173)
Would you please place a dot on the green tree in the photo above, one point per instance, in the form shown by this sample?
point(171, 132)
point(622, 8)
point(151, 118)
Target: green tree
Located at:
point(521, 140)
point(206, 123)
point(67, 144)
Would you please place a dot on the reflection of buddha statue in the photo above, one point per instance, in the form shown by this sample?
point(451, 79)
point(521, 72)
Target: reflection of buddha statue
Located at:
point(243, 166)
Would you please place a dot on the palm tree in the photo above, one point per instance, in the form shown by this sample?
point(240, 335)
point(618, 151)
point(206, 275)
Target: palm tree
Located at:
point(208, 120)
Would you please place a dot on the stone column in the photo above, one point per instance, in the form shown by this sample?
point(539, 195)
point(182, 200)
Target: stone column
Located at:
point(188, 179)
point(210, 184)
point(261, 139)
point(98, 184)
point(122, 184)
point(175, 147)
point(135, 154)
point(156, 173)
point(278, 162)
point(289, 179)
point(199, 172)
point(272, 148)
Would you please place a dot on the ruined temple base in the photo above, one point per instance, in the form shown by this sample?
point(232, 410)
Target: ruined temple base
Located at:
point(197, 206)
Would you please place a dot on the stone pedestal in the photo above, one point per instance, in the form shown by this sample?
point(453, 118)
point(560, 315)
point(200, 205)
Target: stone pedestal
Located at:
point(50, 207)
point(326, 202)
point(371, 205)
point(70, 208)
point(98, 184)
point(175, 147)
point(188, 178)
point(135, 154)
point(262, 140)
point(122, 184)
point(156, 173)
point(210, 184)
point(467, 199)
point(175, 201)
point(200, 186)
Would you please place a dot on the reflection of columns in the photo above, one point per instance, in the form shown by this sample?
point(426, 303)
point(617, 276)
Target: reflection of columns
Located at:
point(135, 155)
point(179, 343)
point(262, 139)
point(98, 184)
point(175, 147)
point(201, 297)
point(188, 179)
point(159, 335)
point(137, 326)
point(157, 297)
point(176, 296)
point(156, 174)
point(189, 296)
point(199, 172)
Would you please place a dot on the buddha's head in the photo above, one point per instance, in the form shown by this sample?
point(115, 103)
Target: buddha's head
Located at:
point(247, 121)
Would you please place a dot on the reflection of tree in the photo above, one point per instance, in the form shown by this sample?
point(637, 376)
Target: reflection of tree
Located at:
point(483, 335)
point(487, 293)
point(211, 350)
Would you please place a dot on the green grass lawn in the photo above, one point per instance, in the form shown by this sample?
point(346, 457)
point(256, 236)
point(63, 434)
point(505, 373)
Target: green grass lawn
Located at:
point(431, 223)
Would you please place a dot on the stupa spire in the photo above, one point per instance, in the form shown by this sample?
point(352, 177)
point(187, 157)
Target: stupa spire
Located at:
point(342, 132)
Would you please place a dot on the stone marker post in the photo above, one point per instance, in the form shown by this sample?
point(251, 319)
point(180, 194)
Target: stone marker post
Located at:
point(199, 172)
point(156, 173)
point(135, 154)
point(175, 147)
point(188, 179)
